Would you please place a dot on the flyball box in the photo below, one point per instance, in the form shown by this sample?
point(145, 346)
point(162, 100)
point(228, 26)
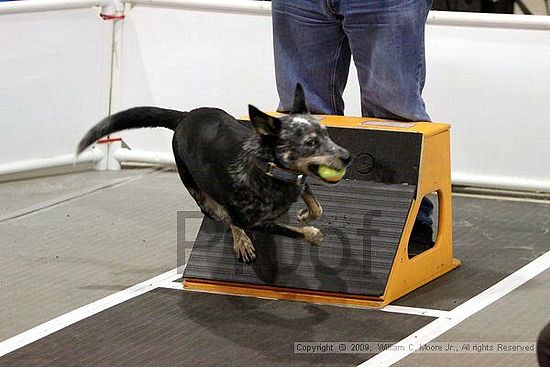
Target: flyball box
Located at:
point(367, 220)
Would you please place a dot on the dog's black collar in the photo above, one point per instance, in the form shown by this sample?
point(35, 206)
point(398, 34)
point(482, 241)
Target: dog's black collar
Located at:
point(282, 174)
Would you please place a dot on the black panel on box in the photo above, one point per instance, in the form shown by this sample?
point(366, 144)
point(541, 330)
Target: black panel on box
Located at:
point(378, 155)
point(381, 156)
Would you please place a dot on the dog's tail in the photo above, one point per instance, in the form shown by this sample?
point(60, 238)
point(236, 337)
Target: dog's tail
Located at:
point(134, 118)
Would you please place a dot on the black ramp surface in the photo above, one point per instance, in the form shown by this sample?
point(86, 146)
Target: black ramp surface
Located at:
point(362, 222)
point(173, 328)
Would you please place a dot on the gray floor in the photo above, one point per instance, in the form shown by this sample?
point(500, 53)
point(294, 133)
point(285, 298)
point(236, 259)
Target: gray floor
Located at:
point(109, 231)
point(69, 240)
point(517, 317)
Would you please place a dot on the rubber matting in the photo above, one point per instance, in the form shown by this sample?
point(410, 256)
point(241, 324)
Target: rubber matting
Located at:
point(168, 327)
point(362, 222)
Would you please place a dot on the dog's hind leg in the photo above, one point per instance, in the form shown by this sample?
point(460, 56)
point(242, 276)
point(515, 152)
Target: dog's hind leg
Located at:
point(313, 210)
point(186, 177)
point(208, 206)
point(311, 235)
point(242, 245)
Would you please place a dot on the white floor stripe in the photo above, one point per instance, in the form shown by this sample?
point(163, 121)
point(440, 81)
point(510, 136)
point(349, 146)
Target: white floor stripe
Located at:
point(460, 313)
point(83, 312)
point(390, 308)
point(416, 311)
point(172, 285)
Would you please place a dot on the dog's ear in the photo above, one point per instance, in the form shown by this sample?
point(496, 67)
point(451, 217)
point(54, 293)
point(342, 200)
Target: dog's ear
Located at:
point(263, 123)
point(299, 105)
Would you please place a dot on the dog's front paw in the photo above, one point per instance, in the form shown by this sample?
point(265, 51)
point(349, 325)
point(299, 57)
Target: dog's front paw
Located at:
point(303, 215)
point(313, 236)
point(244, 249)
point(306, 215)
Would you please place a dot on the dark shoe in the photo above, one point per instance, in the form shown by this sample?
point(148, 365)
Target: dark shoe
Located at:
point(421, 239)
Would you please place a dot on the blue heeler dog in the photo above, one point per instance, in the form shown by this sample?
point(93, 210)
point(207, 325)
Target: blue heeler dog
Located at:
point(244, 177)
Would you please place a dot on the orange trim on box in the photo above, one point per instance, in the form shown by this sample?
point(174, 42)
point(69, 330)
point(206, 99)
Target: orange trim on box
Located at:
point(289, 294)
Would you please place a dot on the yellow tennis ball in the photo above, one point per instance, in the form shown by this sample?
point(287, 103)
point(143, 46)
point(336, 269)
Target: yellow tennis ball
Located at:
point(331, 174)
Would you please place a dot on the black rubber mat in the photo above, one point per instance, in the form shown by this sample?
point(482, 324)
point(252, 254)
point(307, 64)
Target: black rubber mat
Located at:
point(493, 239)
point(362, 221)
point(180, 328)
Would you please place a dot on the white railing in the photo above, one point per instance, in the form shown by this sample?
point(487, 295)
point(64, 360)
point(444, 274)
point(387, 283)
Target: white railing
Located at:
point(451, 18)
point(31, 6)
point(232, 6)
point(124, 155)
point(31, 168)
point(434, 18)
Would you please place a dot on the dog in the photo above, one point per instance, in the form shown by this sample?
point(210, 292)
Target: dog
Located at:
point(244, 177)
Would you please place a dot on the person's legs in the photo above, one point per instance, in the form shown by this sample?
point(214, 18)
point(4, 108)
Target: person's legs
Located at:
point(387, 43)
point(311, 48)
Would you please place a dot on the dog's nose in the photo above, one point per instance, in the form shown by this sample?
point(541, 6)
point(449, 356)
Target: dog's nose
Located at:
point(345, 157)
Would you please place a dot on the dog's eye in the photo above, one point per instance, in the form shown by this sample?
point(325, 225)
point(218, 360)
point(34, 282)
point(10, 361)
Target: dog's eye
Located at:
point(311, 142)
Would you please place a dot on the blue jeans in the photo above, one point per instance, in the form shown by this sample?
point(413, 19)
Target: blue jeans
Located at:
point(314, 41)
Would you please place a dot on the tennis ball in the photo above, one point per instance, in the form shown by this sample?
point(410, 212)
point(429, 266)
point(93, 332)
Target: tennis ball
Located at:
point(331, 174)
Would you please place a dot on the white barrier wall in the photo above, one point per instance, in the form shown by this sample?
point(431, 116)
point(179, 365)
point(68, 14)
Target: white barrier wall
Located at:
point(490, 79)
point(493, 84)
point(55, 75)
point(487, 74)
point(185, 59)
